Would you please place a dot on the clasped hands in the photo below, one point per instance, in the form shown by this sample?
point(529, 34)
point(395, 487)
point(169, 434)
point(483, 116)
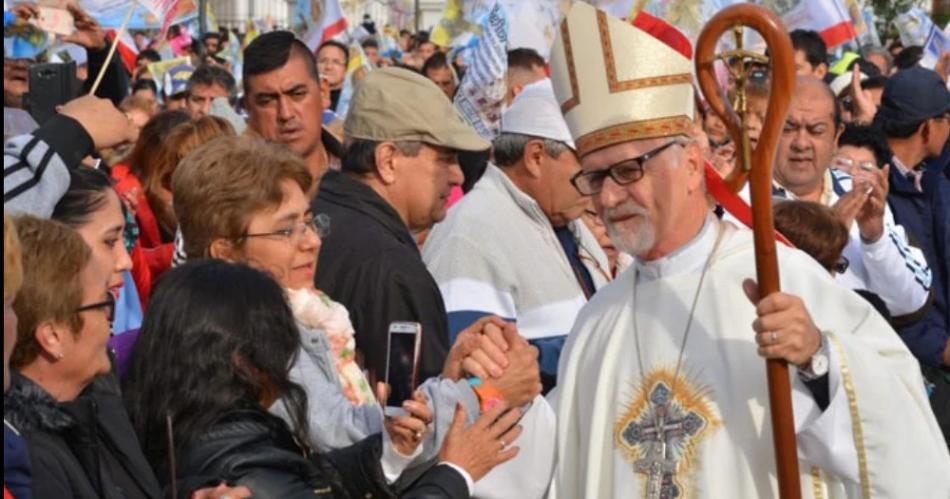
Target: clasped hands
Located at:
point(490, 349)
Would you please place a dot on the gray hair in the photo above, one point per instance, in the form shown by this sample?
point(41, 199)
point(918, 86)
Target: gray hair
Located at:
point(868, 50)
point(360, 155)
point(508, 148)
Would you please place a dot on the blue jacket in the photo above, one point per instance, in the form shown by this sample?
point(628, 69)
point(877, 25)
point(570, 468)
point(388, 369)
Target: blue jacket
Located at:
point(926, 218)
point(16, 463)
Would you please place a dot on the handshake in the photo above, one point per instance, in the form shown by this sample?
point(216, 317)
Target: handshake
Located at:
point(492, 350)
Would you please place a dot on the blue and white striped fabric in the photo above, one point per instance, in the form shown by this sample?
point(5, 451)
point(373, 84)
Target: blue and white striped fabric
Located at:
point(497, 254)
point(890, 267)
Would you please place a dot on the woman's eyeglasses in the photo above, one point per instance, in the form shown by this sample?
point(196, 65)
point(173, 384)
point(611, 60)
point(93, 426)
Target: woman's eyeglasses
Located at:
point(108, 304)
point(319, 224)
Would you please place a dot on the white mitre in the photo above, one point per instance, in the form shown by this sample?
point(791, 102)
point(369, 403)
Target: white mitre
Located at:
point(616, 82)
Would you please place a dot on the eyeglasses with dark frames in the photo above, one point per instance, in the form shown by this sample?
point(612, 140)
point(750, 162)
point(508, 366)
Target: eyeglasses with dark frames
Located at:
point(108, 303)
point(319, 224)
point(624, 172)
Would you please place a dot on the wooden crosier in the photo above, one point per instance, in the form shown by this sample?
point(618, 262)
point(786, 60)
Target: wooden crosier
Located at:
point(756, 167)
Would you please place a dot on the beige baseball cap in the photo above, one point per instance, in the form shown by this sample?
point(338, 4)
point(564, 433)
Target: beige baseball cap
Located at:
point(399, 104)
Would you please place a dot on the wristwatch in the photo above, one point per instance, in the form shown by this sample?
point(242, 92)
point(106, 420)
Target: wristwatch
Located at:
point(818, 365)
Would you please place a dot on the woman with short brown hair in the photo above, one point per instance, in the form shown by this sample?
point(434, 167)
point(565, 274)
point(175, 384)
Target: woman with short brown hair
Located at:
point(63, 399)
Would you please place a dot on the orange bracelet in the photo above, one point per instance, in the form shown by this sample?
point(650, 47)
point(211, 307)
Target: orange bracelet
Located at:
point(488, 396)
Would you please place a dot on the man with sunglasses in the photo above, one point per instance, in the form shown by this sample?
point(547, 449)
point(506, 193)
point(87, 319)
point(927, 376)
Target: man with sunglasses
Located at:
point(661, 386)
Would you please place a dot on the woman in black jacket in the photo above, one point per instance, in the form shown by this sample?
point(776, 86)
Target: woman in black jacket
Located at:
point(64, 400)
point(214, 353)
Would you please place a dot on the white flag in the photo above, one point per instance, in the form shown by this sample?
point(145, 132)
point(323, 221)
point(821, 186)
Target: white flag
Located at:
point(829, 18)
point(482, 92)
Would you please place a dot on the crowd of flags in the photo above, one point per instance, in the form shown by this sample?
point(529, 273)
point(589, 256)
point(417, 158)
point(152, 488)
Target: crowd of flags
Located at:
point(483, 30)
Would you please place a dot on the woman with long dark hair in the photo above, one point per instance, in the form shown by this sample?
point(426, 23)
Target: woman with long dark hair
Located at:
point(214, 353)
point(92, 207)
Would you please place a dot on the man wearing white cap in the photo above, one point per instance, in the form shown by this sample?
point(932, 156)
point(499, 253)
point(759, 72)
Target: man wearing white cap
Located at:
point(661, 385)
point(542, 263)
point(515, 247)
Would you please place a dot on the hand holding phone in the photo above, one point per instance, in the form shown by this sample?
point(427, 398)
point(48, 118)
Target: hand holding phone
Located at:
point(402, 364)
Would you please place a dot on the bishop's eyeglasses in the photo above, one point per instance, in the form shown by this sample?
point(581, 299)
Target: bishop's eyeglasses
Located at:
point(624, 172)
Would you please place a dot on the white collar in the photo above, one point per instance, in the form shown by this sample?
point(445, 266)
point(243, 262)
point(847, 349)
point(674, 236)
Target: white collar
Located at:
point(687, 259)
point(526, 203)
point(900, 166)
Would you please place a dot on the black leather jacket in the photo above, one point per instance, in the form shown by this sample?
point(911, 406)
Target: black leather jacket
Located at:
point(252, 448)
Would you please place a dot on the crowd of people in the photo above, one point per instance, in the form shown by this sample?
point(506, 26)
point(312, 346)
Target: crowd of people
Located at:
point(202, 270)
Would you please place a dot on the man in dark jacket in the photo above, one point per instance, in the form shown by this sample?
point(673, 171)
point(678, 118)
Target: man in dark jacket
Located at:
point(915, 118)
point(400, 164)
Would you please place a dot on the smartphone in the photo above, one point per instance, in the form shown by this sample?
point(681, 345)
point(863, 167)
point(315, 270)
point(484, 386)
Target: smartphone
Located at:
point(402, 362)
point(51, 85)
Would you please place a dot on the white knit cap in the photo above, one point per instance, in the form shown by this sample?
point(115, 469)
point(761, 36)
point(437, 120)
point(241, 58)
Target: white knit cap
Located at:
point(843, 81)
point(535, 112)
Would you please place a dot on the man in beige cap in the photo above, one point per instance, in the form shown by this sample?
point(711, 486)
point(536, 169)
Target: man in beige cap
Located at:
point(661, 385)
point(403, 136)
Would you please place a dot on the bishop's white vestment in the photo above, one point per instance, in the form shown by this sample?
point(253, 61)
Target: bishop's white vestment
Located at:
point(876, 438)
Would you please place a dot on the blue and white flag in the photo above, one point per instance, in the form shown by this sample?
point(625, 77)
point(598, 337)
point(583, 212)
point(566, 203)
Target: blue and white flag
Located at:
point(937, 43)
point(916, 28)
point(482, 93)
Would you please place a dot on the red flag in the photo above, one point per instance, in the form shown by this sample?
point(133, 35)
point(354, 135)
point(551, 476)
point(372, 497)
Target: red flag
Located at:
point(828, 17)
point(664, 32)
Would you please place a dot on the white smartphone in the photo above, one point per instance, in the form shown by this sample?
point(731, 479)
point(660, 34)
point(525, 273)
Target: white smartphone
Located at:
point(402, 362)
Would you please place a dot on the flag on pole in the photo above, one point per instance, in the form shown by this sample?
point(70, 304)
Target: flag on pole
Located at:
point(534, 24)
point(482, 92)
point(126, 48)
point(916, 28)
point(319, 20)
point(455, 28)
point(830, 18)
point(111, 13)
point(164, 10)
point(689, 17)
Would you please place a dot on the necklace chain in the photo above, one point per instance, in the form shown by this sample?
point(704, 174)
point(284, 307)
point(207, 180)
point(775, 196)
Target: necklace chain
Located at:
point(689, 321)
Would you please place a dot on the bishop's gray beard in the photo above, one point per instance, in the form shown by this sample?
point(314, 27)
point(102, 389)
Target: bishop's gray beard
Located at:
point(634, 236)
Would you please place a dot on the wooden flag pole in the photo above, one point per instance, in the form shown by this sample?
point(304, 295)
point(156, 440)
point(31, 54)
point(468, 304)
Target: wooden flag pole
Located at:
point(757, 167)
point(115, 43)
